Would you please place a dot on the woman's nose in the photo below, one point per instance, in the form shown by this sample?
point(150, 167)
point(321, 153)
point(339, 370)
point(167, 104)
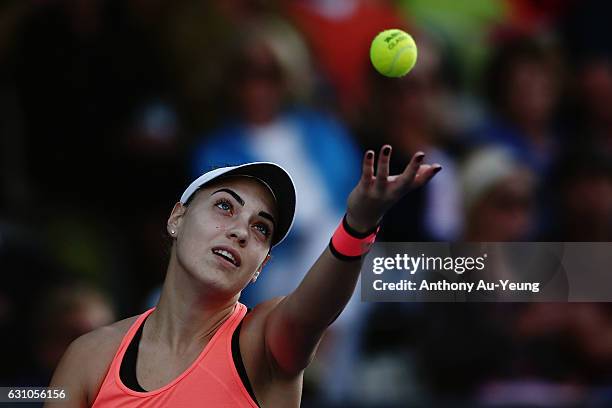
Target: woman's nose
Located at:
point(238, 233)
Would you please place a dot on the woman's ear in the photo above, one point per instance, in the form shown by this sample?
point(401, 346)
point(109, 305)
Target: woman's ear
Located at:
point(265, 261)
point(260, 267)
point(175, 220)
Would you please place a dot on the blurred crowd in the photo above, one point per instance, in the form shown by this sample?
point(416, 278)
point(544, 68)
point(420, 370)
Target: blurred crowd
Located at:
point(109, 108)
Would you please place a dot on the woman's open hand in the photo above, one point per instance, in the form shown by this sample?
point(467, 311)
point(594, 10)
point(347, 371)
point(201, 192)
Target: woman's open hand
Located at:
point(375, 194)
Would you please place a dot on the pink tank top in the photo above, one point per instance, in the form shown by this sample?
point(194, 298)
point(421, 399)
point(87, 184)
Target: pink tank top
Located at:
point(210, 381)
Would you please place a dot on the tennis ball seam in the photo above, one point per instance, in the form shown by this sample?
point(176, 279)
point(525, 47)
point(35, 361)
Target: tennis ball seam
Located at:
point(396, 57)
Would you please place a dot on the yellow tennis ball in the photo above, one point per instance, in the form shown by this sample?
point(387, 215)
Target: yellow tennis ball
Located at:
point(393, 53)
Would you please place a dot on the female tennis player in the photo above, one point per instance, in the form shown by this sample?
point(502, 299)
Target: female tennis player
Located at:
point(200, 347)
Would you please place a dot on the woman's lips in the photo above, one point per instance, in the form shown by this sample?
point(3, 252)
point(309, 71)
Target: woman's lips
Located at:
point(225, 261)
point(229, 253)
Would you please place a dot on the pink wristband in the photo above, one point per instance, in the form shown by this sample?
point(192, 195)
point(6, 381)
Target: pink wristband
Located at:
point(347, 244)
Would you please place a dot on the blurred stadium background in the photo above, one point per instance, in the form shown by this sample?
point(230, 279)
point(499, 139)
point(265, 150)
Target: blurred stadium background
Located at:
point(109, 108)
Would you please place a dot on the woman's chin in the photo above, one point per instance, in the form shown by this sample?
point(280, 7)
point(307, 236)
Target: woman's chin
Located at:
point(218, 278)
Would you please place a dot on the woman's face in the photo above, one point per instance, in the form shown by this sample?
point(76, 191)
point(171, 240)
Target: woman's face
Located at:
point(224, 235)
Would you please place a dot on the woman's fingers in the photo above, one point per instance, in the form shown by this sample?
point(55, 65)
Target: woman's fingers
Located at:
point(414, 175)
point(425, 173)
point(367, 171)
point(382, 169)
point(412, 168)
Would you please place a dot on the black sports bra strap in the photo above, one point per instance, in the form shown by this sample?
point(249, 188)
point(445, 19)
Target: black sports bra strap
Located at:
point(127, 371)
point(238, 363)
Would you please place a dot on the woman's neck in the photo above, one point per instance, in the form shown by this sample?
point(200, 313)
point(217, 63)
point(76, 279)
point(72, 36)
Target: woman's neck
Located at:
point(186, 313)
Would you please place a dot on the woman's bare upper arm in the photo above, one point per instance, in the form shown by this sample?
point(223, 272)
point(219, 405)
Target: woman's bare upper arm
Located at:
point(70, 376)
point(284, 354)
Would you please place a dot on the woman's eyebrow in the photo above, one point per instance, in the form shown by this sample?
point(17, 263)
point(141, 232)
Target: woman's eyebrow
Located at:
point(232, 193)
point(267, 216)
point(241, 202)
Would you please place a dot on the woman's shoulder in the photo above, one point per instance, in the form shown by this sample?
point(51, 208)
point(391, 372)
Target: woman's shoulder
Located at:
point(100, 346)
point(87, 359)
point(257, 316)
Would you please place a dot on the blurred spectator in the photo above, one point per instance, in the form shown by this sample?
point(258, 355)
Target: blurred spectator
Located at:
point(523, 91)
point(194, 40)
point(545, 361)
point(560, 349)
point(498, 197)
point(497, 192)
point(339, 33)
point(522, 87)
point(407, 113)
